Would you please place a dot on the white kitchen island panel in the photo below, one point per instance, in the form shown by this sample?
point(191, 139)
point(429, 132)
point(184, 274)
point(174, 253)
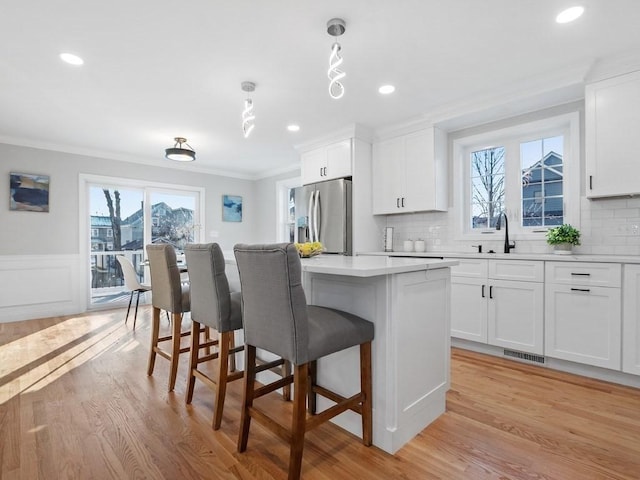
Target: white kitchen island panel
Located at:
point(411, 349)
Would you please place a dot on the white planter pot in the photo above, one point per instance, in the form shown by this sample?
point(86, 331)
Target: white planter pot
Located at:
point(562, 249)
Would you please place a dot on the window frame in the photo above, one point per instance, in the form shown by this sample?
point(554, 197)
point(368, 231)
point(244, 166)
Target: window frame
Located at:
point(511, 137)
point(86, 181)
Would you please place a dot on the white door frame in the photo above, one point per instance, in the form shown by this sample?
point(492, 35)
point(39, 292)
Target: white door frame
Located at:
point(84, 225)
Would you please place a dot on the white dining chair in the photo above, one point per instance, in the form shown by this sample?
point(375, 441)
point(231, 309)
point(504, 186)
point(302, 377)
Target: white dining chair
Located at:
point(133, 284)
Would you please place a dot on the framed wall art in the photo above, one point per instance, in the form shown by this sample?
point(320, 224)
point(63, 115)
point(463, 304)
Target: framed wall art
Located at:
point(29, 192)
point(231, 208)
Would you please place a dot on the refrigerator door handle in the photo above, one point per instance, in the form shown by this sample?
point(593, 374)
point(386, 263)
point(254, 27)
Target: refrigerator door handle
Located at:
point(316, 216)
point(310, 215)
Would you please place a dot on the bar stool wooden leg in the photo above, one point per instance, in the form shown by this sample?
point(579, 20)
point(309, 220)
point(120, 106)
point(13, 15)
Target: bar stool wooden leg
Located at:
point(313, 371)
point(298, 422)
point(285, 372)
point(247, 396)
point(194, 354)
point(175, 350)
point(223, 372)
point(232, 358)
point(366, 388)
point(155, 333)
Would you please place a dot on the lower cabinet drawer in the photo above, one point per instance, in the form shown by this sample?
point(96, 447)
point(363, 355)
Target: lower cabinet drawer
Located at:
point(582, 273)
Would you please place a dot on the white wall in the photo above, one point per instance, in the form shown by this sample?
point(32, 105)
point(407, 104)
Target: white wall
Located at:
point(56, 232)
point(36, 247)
point(266, 215)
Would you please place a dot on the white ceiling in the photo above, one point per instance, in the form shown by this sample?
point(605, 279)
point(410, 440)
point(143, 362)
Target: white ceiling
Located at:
point(156, 69)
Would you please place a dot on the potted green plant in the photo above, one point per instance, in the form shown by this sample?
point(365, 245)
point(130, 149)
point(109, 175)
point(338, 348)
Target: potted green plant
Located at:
point(563, 238)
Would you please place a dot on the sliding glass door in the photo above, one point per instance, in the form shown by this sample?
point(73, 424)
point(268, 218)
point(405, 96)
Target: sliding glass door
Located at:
point(122, 220)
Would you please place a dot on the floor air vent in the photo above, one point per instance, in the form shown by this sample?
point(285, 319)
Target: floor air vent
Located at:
point(524, 356)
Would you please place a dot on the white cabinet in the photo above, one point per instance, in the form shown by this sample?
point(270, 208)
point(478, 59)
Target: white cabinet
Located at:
point(612, 124)
point(631, 320)
point(411, 349)
point(410, 173)
point(583, 312)
point(499, 302)
point(326, 162)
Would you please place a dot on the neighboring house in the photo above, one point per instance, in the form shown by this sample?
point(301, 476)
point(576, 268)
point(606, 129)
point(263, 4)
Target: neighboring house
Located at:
point(169, 225)
point(172, 226)
point(542, 195)
point(101, 233)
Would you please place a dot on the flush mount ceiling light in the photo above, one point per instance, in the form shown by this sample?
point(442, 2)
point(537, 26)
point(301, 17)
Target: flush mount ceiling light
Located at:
point(386, 89)
point(293, 128)
point(71, 59)
point(570, 14)
point(335, 28)
point(248, 116)
point(180, 153)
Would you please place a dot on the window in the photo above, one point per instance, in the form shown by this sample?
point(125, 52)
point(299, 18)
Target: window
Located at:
point(290, 227)
point(487, 186)
point(542, 177)
point(119, 210)
point(529, 171)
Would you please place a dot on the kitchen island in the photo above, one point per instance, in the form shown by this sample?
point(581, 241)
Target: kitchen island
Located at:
point(407, 299)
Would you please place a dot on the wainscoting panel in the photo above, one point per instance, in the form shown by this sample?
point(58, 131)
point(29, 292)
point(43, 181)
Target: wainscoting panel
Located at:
point(35, 286)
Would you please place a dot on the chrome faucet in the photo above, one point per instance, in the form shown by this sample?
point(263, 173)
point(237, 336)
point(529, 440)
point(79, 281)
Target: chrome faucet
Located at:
point(508, 246)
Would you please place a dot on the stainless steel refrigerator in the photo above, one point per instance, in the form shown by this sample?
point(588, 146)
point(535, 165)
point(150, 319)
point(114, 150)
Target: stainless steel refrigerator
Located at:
point(329, 215)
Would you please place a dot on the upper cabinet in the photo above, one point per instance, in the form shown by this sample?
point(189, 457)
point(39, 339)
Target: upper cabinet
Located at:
point(326, 162)
point(611, 125)
point(410, 173)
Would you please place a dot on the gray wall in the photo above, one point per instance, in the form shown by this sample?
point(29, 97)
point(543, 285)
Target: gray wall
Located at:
point(56, 232)
point(265, 191)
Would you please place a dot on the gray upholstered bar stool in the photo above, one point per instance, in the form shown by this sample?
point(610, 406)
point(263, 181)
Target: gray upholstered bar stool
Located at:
point(214, 305)
point(170, 294)
point(277, 318)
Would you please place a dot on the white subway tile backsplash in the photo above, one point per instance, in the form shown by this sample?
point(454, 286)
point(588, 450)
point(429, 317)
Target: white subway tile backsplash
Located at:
point(608, 226)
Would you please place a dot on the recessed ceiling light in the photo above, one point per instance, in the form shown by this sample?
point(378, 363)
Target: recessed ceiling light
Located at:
point(293, 128)
point(387, 89)
point(71, 59)
point(570, 14)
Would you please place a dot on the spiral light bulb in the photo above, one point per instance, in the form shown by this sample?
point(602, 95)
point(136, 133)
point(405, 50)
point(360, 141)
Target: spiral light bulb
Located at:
point(248, 116)
point(335, 28)
point(336, 89)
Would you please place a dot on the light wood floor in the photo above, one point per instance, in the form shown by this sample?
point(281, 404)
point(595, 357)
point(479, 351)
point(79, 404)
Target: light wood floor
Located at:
point(75, 403)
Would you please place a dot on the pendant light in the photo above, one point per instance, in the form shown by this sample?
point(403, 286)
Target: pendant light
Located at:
point(180, 153)
point(248, 116)
point(335, 28)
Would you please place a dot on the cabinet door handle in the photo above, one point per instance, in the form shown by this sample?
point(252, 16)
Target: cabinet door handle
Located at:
point(403, 202)
point(482, 291)
point(581, 274)
point(580, 289)
point(490, 291)
point(397, 202)
point(325, 171)
point(590, 182)
point(320, 171)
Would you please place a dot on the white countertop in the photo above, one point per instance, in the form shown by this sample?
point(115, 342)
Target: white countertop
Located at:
point(370, 266)
point(513, 256)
